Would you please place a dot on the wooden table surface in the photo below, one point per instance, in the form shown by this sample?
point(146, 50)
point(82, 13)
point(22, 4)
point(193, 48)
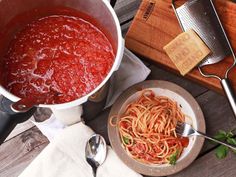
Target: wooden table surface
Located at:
point(26, 141)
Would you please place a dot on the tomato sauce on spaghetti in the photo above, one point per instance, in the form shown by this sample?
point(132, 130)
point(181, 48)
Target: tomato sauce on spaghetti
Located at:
point(147, 129)
point(62, 53)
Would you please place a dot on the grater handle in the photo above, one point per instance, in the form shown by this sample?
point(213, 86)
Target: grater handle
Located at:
point(230, 94)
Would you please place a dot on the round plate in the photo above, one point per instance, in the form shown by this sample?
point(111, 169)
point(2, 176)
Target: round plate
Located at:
point(189, 107)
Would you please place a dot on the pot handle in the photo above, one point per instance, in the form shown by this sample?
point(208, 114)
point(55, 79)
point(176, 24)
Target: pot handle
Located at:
point(9, 119)
point(68, 116)
point(113, 3)
point(6, 126)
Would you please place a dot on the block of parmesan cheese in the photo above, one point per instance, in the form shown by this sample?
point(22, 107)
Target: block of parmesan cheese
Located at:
point(186, 51)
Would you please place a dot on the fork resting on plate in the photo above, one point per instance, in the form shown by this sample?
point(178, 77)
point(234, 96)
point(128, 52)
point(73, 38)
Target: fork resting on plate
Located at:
point(186, 130)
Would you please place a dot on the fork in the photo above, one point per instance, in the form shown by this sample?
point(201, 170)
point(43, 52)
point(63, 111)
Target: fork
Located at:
point(186, 130)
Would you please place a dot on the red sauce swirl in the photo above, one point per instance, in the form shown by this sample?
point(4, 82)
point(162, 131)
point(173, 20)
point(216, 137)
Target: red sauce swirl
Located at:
point(62, 53)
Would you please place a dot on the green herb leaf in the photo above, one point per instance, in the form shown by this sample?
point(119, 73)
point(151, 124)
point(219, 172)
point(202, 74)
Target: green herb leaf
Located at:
point(221, 152)
point(173, 158)
point(229, 135)
point(222, 132)
point(221, 135)
point(231, 141)
point(126, 140)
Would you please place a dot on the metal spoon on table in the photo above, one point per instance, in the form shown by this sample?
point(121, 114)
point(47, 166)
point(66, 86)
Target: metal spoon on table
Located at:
point(95, 152)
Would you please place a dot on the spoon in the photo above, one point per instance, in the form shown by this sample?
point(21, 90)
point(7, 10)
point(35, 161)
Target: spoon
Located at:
point(95, 152)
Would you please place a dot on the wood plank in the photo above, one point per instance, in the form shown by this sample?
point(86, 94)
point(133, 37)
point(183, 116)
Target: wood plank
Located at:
point(126, 10)
point(40, 115)
point(217, 112)
point(20, 128)
point(18, 166)
point(155, 25)
point(18, 152)
point(210, 166)
point(218, 116)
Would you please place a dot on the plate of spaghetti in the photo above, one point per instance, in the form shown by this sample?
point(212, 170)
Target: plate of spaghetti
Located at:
point(141, 128)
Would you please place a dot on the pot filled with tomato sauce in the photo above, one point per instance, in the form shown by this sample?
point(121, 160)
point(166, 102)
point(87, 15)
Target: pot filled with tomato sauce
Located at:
point(59, 52)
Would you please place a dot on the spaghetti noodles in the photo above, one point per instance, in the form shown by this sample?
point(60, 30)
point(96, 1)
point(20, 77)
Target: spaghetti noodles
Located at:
point(147, 129)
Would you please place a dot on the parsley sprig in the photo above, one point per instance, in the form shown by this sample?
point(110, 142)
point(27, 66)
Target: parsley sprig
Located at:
point(173, 158)
point(126, 140)
point(222, 151)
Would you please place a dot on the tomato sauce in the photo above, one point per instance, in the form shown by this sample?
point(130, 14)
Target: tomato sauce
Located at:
point(59, 53)
point(184, 141)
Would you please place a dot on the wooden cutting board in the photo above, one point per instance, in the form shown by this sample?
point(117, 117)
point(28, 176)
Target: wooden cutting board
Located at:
point(155, 25)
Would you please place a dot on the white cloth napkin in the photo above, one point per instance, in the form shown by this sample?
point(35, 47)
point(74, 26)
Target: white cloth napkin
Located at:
point(131, 71)
point(50, 127)
point(65, 157)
